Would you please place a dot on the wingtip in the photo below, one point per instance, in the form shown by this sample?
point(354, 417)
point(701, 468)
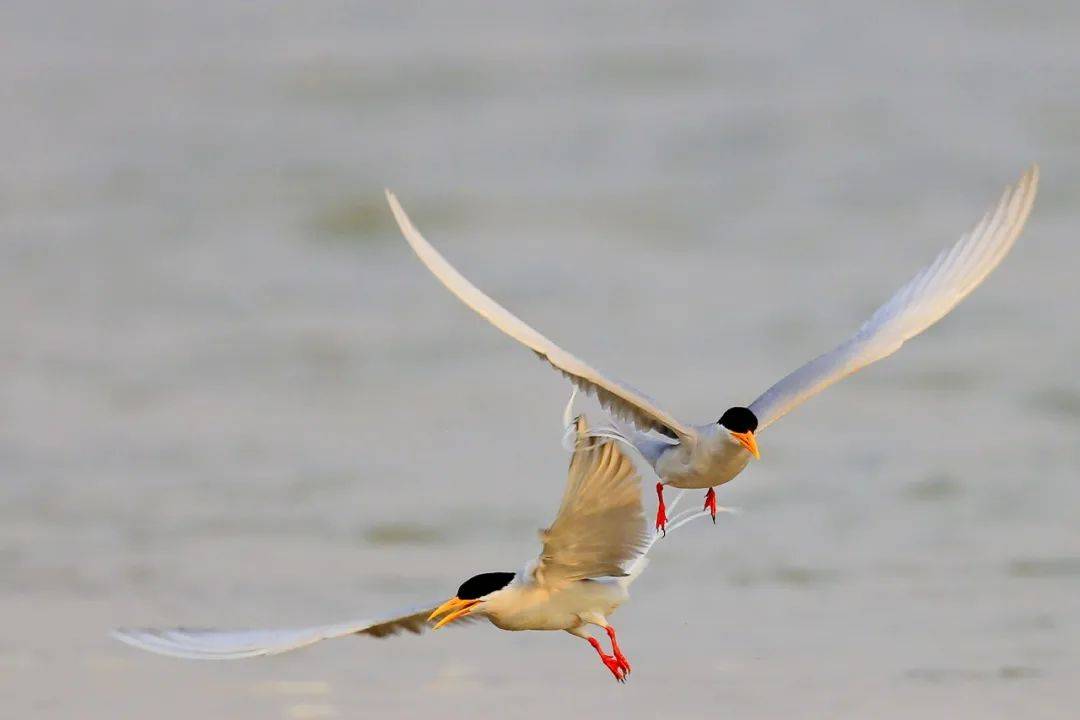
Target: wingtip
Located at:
point(1027, 188)
point(128, 636)
point(1028, 184)
point(583, 439)
point(404, 223)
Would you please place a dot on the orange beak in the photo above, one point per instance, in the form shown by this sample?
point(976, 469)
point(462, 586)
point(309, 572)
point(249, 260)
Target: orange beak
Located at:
point(748, 441)
point(454, 608)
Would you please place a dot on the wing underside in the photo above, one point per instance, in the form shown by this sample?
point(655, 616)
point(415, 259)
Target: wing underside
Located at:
point(924, 300)
point(209, 644)
point(600, 526)
point(618, 398)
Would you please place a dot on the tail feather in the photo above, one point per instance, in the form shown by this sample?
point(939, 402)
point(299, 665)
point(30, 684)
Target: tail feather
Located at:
point(642, 561)
point(636, 568)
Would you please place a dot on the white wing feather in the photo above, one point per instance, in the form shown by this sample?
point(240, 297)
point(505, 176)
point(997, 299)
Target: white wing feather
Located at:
point(618, 398)
point(200, 644)
point(920, 303)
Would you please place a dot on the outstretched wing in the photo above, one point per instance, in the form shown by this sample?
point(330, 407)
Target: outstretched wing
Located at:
point(199, 644)
point(623, 401)
point(600, 526)
point(927, 298)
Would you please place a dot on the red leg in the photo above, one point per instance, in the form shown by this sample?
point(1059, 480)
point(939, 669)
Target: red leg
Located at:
point(661, 510)
point(619, 657)
point(609, 661)
point(710, 503)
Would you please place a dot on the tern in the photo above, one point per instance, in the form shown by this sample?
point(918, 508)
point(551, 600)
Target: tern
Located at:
point(705, 456)
point(595, 548)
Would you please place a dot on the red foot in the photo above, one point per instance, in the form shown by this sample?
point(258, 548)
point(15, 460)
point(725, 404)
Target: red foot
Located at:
point(661, 510)
point(710, 503)
point(609, 661)
point(619, 657)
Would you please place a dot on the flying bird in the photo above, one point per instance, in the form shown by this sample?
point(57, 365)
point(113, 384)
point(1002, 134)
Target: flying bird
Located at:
point(705, 456)
point(595, 548)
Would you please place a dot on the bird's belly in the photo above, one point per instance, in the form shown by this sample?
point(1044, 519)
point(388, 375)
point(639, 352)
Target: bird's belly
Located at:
point(557, 610)
point(525, 620)
point(702, 467)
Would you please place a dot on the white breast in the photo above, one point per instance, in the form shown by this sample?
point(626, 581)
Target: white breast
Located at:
point(528, 607)
point(712, 461)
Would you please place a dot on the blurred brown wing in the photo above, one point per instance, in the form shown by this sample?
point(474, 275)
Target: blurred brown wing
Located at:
point(600, 527)
point(207, 644)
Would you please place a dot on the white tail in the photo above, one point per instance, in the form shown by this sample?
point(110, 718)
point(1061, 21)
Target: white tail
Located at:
point(676, 522)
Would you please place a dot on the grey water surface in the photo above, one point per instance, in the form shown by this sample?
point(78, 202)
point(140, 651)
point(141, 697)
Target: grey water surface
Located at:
point(229, 394)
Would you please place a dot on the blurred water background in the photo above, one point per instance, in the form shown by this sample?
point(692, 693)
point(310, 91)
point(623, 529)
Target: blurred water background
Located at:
point(229, 395)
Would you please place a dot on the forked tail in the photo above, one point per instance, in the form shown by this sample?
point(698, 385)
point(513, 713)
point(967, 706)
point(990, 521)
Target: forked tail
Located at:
point(677, 521)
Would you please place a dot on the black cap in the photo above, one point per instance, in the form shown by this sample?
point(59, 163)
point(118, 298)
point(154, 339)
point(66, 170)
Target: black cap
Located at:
point(739, 419)
point(480, 585)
